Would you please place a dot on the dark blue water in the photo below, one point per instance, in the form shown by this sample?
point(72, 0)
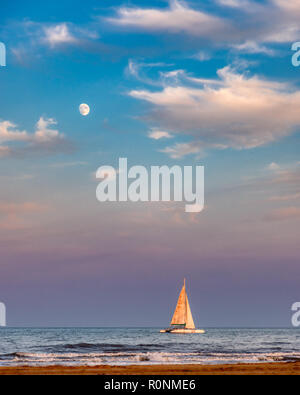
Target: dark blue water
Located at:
point(123, 346)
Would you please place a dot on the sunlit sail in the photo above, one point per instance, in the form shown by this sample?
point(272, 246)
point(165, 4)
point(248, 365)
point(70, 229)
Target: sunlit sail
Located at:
point(182, 321)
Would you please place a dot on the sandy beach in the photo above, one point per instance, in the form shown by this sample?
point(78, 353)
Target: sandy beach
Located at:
point(291, 368)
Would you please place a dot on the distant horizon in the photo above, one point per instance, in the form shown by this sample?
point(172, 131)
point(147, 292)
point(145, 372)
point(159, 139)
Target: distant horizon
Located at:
point(141, 327)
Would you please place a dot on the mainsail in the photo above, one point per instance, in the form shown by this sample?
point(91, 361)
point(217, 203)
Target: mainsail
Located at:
point(183, 314)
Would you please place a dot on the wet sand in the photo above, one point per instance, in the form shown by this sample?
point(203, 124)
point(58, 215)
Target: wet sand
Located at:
point(290, 368)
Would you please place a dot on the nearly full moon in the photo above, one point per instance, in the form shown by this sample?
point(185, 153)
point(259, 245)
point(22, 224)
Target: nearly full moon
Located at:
point(84, 109)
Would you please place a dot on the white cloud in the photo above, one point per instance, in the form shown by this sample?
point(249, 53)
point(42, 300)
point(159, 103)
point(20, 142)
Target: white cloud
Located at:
point(58, 35)
point(239, 111)
point(178, 17)
point(45, 138)
point(43, 132)
point(133, 68)
point(236, 3)
point(291, 6)
point(202, 56)
point(157, 134)
point(276, 21)
point(8, 132)
point(180, 150)
point(248, 23)
point(273, 166)
point(251, 47)
point(54, 36)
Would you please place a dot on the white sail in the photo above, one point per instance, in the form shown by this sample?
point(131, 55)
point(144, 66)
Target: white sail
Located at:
point(179, 317)
point(189, 318)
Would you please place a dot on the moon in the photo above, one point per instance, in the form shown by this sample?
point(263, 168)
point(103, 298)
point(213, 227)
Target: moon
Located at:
point(84, 109)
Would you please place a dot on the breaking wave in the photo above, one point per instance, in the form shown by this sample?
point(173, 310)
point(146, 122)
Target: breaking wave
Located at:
point(90, 347)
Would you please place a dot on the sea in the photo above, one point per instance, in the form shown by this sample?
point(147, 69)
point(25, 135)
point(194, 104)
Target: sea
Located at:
point(126, 346)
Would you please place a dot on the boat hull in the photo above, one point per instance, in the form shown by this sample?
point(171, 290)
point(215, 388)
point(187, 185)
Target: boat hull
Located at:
point(182, 331)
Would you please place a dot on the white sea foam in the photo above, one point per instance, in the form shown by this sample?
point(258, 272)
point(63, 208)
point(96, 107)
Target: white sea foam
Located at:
point(121, 346)
point(120, 358)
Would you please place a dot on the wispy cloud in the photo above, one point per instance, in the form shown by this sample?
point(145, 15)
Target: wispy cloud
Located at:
point(286, 213)
point(202, 56)
point(15, 216)
point(284, 198)
point(137, 69)
point(279, 182)
point(177, 18)
point(66, 34)
point(234, 3)
point(51, 37)
point(68, 164)
point(252, 47)
point(207, 111)
point(247, 26)
point(198, 148)
point(273, 166)
point(157, 134)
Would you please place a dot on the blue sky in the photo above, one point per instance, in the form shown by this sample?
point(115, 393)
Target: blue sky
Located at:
point(176, 82)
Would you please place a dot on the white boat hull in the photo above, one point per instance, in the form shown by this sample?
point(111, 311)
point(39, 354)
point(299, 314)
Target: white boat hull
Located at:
point(182, 331)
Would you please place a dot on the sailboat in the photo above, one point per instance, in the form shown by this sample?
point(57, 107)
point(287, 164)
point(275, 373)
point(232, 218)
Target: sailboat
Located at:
point(182, 321)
